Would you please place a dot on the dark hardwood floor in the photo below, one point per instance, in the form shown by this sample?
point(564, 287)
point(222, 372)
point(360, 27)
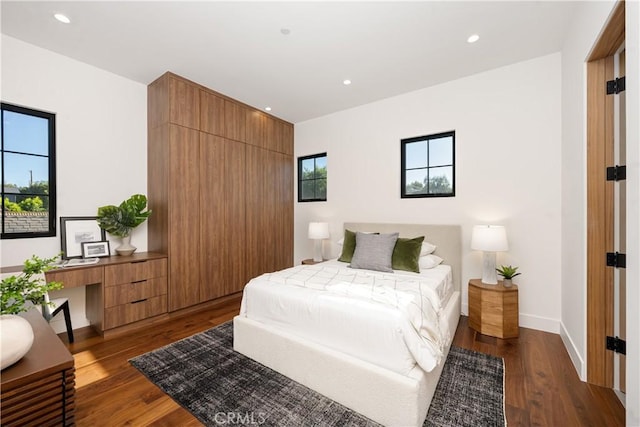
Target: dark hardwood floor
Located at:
point(542, 387)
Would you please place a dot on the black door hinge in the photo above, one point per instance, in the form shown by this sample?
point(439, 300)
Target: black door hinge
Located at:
point(616, 259)
point(616, 173)
point(616, 344)
point(616, 86)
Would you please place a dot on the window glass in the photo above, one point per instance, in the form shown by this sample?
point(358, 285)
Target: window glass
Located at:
point(428, 166)
point(28, 173)
point(312, 178)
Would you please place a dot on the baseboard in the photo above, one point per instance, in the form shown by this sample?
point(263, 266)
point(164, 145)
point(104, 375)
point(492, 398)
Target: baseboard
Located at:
point(574, 354)
point(539, 323)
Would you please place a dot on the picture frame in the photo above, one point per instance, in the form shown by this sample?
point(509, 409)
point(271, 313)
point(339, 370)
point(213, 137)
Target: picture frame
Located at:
point(95, 249)
point(75, 230)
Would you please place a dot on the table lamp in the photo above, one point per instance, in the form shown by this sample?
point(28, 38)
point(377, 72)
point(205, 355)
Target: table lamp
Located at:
point(318, 231)
point(489, 239)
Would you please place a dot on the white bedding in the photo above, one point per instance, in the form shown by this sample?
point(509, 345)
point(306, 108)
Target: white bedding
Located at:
point(394, 319)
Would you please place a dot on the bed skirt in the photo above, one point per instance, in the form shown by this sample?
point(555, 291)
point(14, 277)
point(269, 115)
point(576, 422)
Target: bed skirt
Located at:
point(386, 397)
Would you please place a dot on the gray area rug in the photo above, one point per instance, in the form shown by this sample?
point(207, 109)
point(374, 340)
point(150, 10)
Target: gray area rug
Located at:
point(222, 387)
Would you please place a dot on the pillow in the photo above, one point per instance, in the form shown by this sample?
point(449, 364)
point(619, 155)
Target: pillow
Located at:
point(406, 254)
point(427, 248)
point(373, 251)
point(348, 246)
point(429, 261)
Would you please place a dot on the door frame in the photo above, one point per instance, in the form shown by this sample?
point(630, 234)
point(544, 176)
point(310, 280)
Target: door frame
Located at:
point(600, 207)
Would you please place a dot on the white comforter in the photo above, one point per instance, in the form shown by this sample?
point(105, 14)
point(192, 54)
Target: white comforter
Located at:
point(397, 310)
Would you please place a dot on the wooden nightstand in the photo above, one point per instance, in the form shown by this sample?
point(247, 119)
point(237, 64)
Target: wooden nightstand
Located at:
point(310, 261)
point(493, 309)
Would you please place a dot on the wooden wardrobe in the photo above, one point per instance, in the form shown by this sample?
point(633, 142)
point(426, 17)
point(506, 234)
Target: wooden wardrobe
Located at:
point(220, 184)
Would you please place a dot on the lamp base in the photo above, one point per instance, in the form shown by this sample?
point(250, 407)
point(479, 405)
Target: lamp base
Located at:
point(317, 250)
point(489, 276)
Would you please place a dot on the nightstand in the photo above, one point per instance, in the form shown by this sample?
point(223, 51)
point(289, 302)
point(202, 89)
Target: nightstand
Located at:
point(310, 261)
point(493, 309)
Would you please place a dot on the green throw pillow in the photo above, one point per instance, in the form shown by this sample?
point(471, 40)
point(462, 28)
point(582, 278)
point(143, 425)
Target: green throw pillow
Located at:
point(348, 246)
point(406, 254)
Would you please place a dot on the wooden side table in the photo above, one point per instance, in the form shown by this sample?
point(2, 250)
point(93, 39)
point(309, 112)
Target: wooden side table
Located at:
point(39, 389)
point(310, 261)
point(493, 309)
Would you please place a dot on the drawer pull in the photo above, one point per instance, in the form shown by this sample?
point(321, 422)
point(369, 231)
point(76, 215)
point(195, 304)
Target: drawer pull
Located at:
point(138, 262)
point(138, 281)
point(137, 301)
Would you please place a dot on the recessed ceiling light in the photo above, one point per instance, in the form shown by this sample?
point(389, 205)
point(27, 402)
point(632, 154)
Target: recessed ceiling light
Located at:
point(474, 38)
point(346, 82)
point(267, 108)
point(62, 18)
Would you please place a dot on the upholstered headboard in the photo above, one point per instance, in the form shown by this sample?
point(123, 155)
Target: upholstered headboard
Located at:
point(447, 238)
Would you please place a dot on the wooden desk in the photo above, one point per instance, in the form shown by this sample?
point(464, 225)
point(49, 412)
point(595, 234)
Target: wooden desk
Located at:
point(119, 289)
point(493, 309)
point(39, 389)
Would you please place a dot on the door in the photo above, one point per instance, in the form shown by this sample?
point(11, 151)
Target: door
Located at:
point(620, 222)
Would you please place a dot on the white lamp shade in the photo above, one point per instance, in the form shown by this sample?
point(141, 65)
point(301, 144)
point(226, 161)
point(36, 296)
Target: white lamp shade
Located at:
point(489, 238)
point(319, 230)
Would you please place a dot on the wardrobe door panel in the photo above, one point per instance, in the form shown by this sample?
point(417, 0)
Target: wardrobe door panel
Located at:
point(212, 207)
point(211, 113)
point(184, 103)
point(235, 271)
point(257, 220)
point(235, 121)
point(184, 217)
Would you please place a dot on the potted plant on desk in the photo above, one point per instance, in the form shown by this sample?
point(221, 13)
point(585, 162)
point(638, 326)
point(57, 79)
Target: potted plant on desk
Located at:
point(121, 220)
point(508, 273)
point(16, 335)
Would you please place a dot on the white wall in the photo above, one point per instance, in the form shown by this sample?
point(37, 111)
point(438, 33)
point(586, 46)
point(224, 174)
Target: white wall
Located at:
point(507, 124)
point(101, 140)
point(589, 20)
point(633, 211)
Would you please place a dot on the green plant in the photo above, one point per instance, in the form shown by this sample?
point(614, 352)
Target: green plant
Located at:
point(507, 271)
point(120, 220)
point(15, 291)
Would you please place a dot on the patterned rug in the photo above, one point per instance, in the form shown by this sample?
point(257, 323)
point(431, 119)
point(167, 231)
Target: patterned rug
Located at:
point(222, 387)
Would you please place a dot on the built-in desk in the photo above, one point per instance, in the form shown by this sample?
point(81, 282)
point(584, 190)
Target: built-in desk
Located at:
point(39, 389)
point(120, 290)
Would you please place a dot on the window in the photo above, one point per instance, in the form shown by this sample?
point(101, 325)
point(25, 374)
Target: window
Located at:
point(28, 173)
point(312, 178)
point(428, 166)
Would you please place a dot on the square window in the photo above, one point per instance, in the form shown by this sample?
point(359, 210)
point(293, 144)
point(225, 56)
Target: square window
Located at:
point(428, 166)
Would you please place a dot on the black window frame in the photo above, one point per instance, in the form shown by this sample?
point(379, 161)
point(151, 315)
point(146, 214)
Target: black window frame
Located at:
point(403, 165)
point(51, 117)
point(300, 180)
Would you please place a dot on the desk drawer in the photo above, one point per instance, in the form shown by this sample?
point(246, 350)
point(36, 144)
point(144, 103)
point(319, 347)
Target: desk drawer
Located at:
point(134, 271)
point(132, 312)
point(72, 278)
point(123, 294)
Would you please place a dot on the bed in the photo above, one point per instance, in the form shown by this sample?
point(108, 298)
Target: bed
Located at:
point(349, 349)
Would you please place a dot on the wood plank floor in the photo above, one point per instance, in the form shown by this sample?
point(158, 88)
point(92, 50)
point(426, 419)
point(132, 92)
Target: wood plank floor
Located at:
point(542, 387)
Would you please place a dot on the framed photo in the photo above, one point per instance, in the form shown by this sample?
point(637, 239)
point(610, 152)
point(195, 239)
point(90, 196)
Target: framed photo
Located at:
point(75, 230)
point(95, 249)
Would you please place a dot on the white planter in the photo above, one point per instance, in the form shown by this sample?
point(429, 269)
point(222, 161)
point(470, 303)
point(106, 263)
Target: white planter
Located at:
point(16, 338)
point(126, 248)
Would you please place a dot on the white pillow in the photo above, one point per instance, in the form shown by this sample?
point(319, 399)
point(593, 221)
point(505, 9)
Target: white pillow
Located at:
point(341, 241)
point(427, 248)
point(429, 261)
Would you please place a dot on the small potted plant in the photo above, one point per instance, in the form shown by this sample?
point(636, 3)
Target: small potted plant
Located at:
point(16, 335)
point(121, 220)
point(508, 273)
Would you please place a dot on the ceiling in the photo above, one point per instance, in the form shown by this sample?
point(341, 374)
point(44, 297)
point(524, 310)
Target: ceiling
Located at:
point(239, 49)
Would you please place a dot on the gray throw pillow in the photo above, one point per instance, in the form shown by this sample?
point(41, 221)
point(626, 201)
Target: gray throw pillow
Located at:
point(373, 251)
